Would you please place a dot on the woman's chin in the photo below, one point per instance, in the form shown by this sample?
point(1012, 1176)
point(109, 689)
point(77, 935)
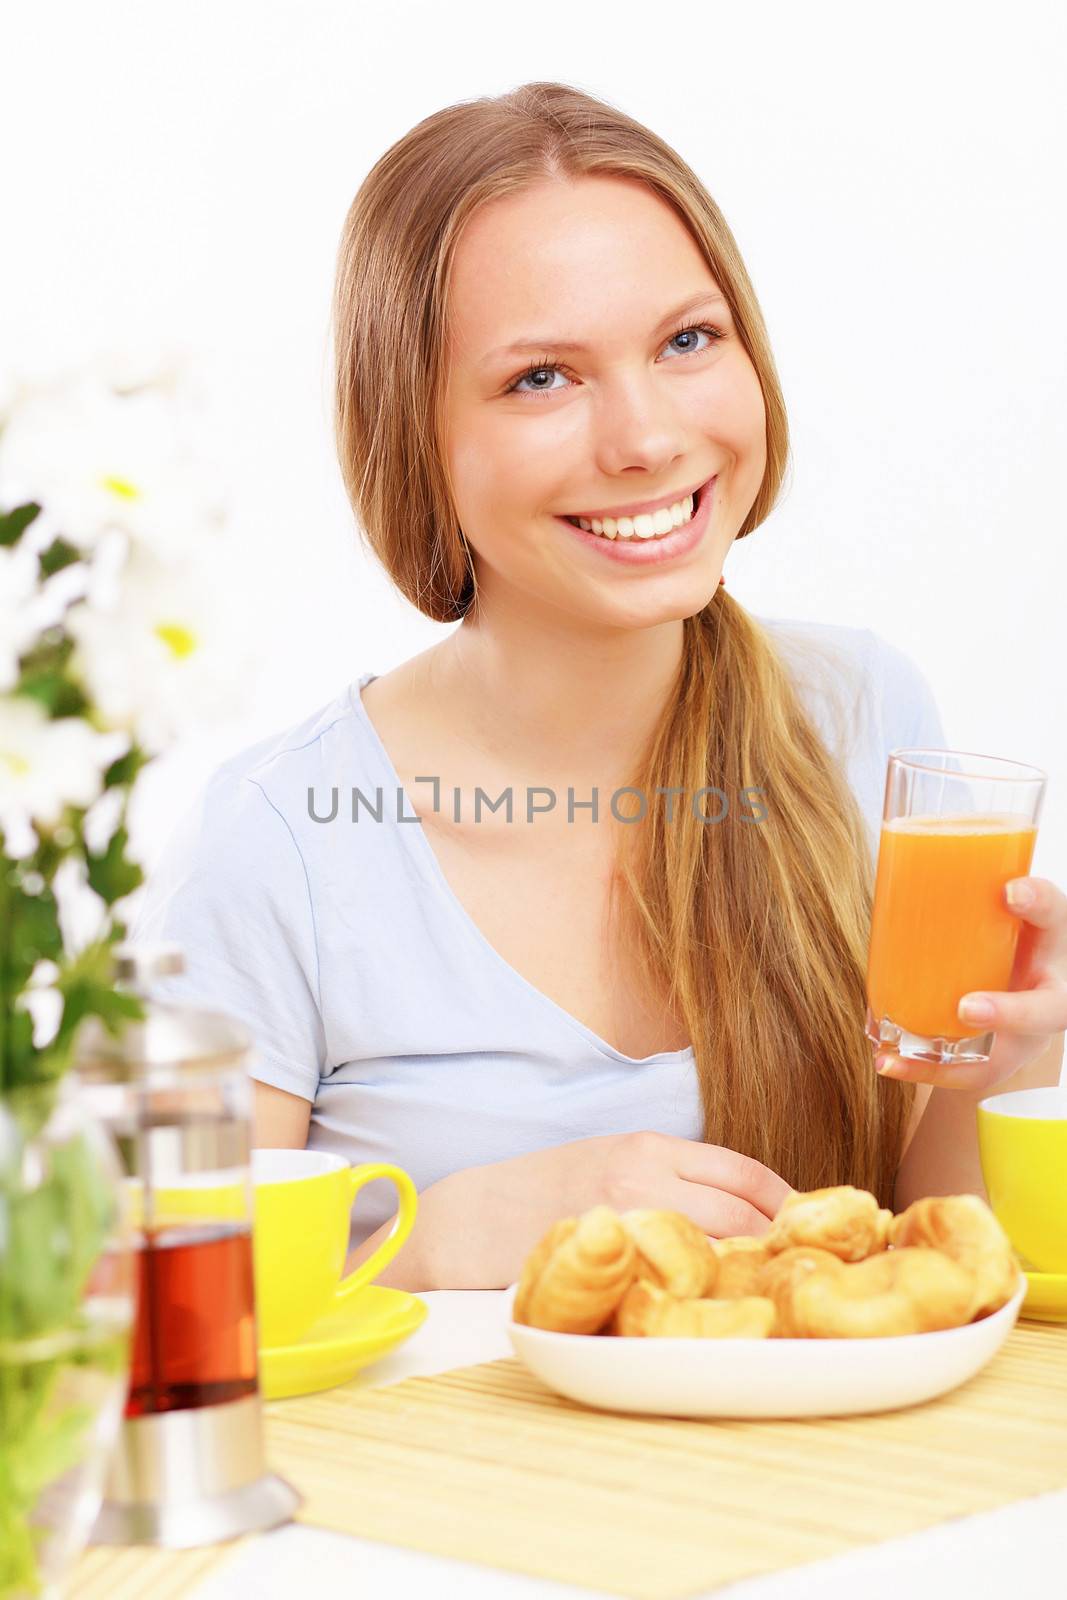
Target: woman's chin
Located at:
point(650, 611)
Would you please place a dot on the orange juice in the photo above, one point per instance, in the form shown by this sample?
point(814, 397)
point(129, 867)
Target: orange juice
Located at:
point(940, 928)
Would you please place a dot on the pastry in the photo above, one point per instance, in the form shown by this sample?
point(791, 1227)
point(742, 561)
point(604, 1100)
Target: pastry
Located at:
point(672, 1252)
point(846, 1221)
point(575, 1277)
point(650, 1313)
point(894, 1292)
point(740, 1267)
point(781, 1274)
point(833, 1265)
point(962, 1226)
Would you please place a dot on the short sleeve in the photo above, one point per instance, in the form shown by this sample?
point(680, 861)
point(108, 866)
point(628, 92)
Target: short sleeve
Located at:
point(231, 889)
point(910, 713)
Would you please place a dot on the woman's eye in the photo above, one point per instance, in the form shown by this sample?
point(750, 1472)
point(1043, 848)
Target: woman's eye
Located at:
point(546, 368)
point(687, 333)
point(535, 372)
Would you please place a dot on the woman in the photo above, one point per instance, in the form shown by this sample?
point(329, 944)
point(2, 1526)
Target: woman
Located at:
point(544, 331)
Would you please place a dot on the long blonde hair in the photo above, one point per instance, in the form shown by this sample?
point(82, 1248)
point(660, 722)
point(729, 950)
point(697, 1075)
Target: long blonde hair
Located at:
point(758, 933)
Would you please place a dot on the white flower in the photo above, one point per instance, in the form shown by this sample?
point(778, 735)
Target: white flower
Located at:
point(114, 445)
point(19, 609)
point(46, 763)
point(7, 395)
point(156, 657)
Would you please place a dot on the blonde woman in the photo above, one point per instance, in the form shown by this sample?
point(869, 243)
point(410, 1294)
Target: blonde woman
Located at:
point(641, 981)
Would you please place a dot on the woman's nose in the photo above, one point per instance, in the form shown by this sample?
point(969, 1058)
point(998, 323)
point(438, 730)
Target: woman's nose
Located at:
point(638, 426)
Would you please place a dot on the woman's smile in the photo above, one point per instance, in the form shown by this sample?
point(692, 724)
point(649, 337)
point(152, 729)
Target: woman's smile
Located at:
point(620, 540)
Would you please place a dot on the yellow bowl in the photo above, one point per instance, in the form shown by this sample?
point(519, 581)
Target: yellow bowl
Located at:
point(1022, 1144)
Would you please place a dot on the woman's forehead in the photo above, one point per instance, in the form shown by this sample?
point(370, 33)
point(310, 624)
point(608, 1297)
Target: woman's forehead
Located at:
point(534, 269)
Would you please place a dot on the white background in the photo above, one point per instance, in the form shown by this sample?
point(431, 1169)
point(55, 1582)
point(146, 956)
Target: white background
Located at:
point(894, 178)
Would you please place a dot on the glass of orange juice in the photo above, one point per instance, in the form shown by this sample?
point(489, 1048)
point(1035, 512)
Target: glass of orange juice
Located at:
point(956, 828)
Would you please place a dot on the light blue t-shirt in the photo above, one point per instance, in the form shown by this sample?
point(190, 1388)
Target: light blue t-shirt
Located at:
point(371, 992)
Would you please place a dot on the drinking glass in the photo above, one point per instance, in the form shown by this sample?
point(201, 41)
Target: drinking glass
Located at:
point(956, 828)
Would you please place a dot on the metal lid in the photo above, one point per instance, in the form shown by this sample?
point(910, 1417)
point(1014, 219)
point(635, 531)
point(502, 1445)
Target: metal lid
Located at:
point(170, 1035)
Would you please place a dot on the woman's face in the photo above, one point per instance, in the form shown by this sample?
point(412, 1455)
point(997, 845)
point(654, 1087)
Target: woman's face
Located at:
point(642, 407)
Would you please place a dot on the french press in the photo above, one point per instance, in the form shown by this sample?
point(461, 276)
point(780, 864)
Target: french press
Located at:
point(188, 1465)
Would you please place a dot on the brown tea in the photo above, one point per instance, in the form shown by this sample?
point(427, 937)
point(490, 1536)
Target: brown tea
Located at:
point(194, 1339)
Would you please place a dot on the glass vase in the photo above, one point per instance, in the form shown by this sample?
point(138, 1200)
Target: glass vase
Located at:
point(66, 1310)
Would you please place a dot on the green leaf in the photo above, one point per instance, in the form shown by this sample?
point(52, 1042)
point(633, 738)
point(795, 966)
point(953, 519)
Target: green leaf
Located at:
point(19, 1057)
point(111, 873)
point(87, 985)
point(29, 932)
point(35, 931)
point(44, 675)
point(13, 524)
point(55, 1234)
point(124, 769)
point(60, 696)
point(58, 555)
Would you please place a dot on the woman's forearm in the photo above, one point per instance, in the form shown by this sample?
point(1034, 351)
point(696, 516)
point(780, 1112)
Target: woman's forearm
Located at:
point(943, 1156)
point(475, 1227)
point(416, 1267)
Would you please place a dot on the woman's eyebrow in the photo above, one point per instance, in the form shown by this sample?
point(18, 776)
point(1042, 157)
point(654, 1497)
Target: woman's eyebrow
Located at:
point(543, 341)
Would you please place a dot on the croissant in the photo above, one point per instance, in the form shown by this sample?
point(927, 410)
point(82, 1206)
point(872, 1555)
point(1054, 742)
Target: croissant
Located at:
point(895, 1292)
point(780, 1276)
point(575, 1277)
point(740, 1267)
point(672, 1252)
point(962, 1226)
point(844, 1220)
point(651, 1313)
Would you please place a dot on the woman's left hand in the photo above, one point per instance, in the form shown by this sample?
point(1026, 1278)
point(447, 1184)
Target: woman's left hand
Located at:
point(1026, 1018)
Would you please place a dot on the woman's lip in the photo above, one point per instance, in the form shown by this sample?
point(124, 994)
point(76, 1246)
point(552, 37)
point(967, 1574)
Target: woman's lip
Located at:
point(645, 509)
point(643, 552)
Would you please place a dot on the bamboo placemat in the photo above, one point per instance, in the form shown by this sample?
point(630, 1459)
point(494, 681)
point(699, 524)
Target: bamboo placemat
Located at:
point(119, 1572)
point(485, 1464)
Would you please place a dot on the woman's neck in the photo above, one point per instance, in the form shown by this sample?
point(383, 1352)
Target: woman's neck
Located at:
point(575, 708)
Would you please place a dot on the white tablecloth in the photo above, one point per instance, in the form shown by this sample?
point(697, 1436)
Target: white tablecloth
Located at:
point(1018, 1550)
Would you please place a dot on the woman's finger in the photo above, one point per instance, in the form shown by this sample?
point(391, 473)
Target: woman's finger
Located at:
point(1038, 1011)
point(1041, 904)
point(962, 1075)
point(719, 1214)
point(737, 1174)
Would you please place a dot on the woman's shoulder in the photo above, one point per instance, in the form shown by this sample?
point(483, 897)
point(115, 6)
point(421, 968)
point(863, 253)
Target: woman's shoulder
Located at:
point(234, 885)
point(807, 639)
point(860, 686)
point(246, 819)
point(291, 751)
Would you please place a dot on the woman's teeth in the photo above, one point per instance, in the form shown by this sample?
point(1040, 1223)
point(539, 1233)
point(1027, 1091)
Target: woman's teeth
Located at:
point(652, 525)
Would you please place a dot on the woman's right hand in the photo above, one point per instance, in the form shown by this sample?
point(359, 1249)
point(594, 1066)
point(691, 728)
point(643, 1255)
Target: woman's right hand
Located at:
point(477, 1226)
point(725, 1193)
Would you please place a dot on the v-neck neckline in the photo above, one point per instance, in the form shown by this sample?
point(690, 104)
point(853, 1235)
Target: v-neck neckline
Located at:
point(425, 857)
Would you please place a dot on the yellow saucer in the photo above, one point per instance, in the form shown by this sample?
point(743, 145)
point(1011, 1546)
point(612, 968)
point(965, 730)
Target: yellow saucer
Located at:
point(1046, 1299)
point(369, 1325)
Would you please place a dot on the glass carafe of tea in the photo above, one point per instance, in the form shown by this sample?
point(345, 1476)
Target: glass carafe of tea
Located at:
point(174, 1090)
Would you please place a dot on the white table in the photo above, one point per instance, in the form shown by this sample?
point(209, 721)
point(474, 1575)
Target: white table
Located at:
point(1018, 1550)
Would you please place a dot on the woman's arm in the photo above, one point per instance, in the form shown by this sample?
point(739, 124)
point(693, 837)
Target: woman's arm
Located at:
point(942, 1158)
point(280, 1120)
point(475, 1228)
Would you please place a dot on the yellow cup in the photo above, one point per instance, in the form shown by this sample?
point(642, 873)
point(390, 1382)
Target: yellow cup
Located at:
point(302, 1203)
point(1022, 1145)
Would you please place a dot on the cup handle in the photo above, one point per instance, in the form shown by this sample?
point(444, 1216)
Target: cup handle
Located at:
point(368, 1270)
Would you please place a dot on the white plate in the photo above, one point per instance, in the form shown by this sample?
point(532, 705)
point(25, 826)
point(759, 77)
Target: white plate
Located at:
point(760, 1377)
